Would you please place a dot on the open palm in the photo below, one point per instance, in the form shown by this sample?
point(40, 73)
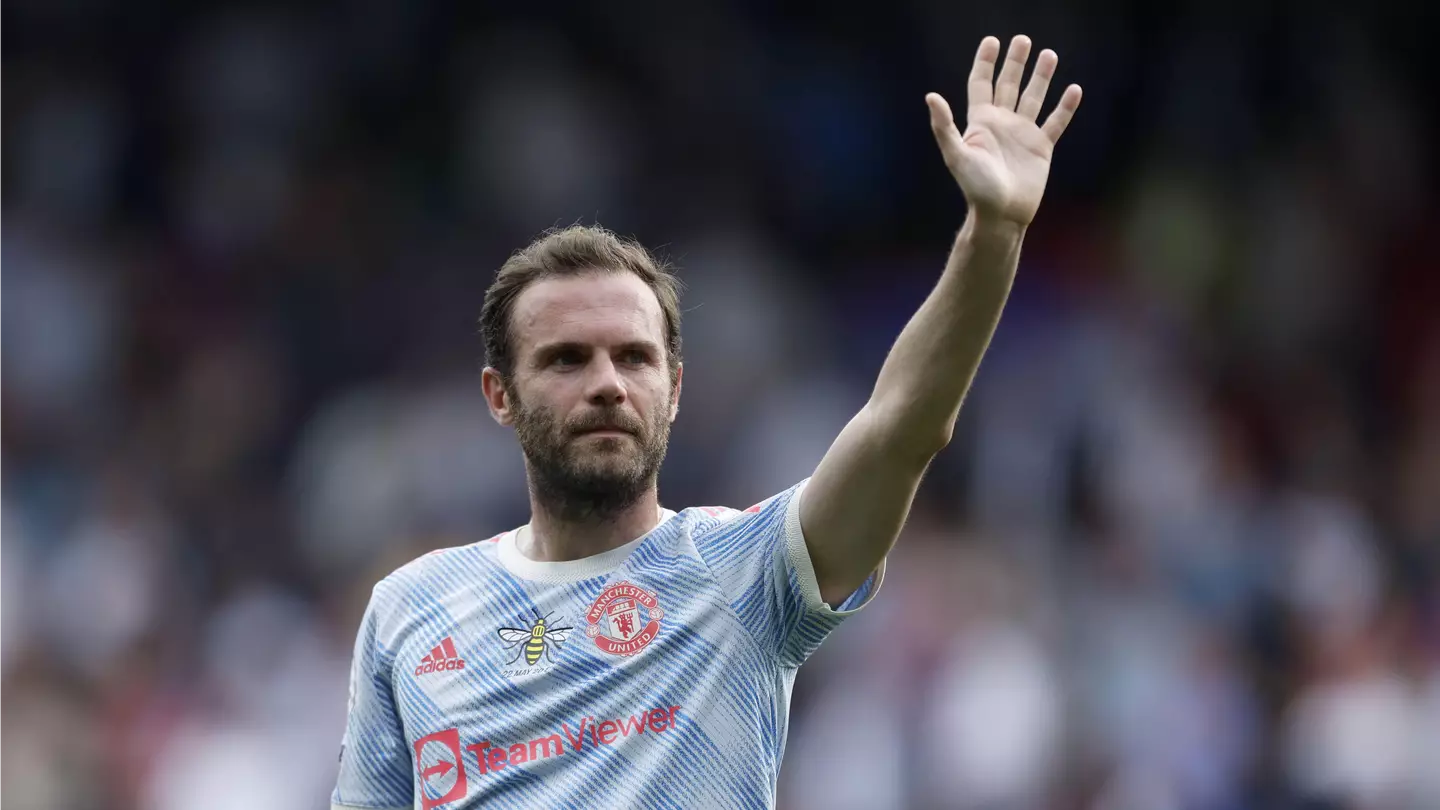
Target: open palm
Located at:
point(1002, 159)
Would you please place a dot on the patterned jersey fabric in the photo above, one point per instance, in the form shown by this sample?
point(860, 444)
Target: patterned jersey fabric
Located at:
point(653, 675)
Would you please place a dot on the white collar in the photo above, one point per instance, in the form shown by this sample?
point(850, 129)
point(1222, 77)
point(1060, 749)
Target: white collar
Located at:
point(568, 570)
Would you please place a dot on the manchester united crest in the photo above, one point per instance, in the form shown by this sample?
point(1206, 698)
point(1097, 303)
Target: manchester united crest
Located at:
point(624, 619)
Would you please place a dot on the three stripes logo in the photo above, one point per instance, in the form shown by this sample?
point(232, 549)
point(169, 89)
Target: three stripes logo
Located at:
point(442, 658)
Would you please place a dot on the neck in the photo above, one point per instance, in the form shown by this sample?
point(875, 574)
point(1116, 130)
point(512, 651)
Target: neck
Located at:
point(557, 538)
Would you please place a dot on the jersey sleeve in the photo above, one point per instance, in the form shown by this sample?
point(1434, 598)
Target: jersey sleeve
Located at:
point(763, 566)
point(375, 763)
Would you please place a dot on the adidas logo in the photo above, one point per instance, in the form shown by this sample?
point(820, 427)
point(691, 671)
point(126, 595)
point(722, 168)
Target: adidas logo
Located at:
point(442, 658)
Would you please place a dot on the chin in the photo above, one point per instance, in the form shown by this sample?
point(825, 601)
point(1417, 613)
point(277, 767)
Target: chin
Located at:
point(609, 458)
point(611, 469)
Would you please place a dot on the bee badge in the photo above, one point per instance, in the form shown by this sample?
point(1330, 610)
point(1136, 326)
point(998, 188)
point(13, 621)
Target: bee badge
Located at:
point(534, 642)
point(624, 619)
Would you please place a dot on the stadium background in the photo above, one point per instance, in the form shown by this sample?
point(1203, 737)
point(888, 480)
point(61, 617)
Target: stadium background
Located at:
point(1182, 553)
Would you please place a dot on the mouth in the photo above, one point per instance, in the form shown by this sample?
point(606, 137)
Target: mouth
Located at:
point(611, 432)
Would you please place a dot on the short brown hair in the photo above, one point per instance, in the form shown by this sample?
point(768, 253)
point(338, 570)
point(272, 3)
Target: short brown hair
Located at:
point(573, 251)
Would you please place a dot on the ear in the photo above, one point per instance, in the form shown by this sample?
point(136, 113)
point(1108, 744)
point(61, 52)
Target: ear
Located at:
point(496, 396)
point(675, 395)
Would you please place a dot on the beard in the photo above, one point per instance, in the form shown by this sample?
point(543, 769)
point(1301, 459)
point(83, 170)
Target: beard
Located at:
point(581, 478)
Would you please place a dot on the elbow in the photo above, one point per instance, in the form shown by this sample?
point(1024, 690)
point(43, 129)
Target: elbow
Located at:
point(922, 446)
point(923, 450)
point(909, 436)
point(942, 438)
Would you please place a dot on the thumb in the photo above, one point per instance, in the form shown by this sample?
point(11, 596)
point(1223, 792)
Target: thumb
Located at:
point(942, 124)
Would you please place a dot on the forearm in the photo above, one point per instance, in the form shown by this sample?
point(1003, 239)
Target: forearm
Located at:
point(857, 501)
point(924, 380)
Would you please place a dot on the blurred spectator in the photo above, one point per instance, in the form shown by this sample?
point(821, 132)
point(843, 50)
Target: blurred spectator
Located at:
point(14, 589)
point(994, 728)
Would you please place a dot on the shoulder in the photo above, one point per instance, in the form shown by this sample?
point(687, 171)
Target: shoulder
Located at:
point(712, 520)
point(696, 520)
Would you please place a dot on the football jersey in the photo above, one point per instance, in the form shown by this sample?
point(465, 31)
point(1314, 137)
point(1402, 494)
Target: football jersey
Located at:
point(653, 675)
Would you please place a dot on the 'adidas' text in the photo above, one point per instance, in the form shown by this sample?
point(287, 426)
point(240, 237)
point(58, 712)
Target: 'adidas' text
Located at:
point(442, 658)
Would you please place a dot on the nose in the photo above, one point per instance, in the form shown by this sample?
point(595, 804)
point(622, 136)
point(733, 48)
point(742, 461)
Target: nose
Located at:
point(604, 386)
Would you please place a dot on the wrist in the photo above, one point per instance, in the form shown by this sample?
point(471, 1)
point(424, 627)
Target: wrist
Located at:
point(991, 233)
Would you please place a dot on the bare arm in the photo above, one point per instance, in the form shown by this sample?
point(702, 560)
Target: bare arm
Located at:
point(859, 497)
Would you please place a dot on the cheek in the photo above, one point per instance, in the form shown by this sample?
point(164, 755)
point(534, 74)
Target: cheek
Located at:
point(548, 396)
point(660, 399)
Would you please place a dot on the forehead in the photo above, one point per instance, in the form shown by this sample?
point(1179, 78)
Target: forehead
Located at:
point(595, 308)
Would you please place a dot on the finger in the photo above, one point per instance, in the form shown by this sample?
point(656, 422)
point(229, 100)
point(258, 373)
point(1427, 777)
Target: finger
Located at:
point(1034, 96)
point(982, 75)
point(942, 123)
point(1060, 117)
point(1007, 88)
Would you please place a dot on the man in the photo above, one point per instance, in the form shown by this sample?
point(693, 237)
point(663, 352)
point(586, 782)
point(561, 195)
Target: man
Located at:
point(613, 653)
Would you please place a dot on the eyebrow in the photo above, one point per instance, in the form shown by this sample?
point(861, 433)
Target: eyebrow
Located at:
point(647, 346)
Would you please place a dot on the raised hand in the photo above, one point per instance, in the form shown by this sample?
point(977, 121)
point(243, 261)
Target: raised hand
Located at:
point(1003, 158)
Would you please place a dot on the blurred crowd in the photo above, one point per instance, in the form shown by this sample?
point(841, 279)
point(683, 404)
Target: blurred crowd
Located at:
point(1181, 555)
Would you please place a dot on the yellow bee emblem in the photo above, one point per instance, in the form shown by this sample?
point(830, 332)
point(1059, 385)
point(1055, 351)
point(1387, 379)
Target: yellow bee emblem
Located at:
point(534, 642)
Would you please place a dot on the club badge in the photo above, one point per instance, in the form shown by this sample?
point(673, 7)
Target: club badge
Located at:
point(624, 619)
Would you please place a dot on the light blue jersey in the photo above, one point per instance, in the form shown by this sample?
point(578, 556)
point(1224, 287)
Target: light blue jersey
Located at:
point(654, 675)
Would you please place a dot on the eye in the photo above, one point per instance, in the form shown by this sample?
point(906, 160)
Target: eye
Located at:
point(635, 357)
point(566, 358)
